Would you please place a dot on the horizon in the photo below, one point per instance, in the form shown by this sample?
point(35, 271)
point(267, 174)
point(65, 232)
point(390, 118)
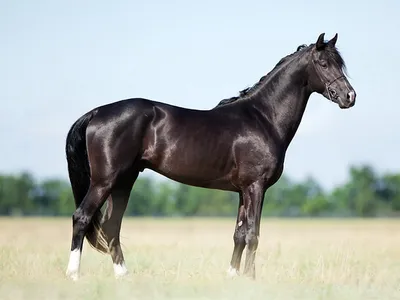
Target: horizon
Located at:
point(62, 59)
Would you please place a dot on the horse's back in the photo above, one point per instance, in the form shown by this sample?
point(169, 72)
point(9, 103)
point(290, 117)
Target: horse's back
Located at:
point(197, 147)
point(122, 108)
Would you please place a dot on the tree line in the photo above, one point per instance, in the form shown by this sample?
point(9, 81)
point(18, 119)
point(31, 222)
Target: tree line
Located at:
point(365, 194)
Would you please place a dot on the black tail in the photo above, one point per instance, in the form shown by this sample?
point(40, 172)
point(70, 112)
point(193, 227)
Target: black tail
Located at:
point(79, 175)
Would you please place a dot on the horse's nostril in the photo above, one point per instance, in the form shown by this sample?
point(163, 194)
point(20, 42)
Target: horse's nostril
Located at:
point(351, 96)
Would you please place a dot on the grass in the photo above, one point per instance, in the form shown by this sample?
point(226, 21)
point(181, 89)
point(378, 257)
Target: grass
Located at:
point(187, 259)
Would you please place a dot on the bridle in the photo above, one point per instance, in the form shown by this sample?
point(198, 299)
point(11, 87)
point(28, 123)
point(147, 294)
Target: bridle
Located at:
point(327, 86)
point(327, 83)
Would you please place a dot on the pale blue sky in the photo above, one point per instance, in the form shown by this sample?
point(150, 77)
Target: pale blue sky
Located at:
point(59, 59)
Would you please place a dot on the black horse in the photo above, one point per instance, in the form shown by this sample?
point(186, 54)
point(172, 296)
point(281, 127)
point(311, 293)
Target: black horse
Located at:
point(239, 145)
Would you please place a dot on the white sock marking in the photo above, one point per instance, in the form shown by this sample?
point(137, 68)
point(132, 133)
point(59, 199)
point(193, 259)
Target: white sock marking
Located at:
point(73, 264)
point(120, 269)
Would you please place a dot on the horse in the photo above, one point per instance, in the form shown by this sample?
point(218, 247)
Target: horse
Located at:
point(239, 146)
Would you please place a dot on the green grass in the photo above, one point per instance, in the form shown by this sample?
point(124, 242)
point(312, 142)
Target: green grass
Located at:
point(187, 259)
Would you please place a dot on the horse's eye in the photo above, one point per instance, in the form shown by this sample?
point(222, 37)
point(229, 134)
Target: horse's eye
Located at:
point(323, 64)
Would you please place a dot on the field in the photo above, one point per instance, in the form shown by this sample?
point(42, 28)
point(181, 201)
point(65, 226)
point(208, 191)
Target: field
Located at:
point(187, 259)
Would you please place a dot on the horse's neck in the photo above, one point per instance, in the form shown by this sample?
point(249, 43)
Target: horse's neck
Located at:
point(284, 105)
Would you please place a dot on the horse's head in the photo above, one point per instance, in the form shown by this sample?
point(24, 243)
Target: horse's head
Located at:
point(326, 73)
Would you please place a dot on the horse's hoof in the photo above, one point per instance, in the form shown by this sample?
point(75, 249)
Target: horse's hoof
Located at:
point(232, 272)
point(121, 275)
point(74, 275)
point(120, 270)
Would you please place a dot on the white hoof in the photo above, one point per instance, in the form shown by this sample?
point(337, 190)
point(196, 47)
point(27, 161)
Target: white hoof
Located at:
point(72, 274)
point(120, 270)
point(232, 272)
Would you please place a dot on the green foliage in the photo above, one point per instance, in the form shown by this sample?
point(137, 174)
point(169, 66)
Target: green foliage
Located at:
point(365, 194)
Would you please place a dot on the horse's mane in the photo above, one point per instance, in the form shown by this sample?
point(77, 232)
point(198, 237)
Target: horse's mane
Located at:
point(332, 53)
point(247, 91)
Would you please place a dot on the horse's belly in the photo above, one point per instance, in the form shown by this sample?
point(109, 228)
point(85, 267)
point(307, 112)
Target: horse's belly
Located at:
point(201, 172)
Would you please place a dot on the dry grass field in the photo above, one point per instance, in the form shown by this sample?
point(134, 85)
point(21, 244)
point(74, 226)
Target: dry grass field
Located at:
point(187, 259)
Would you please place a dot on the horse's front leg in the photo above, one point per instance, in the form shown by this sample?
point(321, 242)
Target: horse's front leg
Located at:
point(239, 239)
point(253, 197)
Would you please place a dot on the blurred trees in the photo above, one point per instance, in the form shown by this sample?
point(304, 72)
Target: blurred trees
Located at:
point(364, 194)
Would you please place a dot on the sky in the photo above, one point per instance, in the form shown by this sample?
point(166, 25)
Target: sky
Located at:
point(59, 59)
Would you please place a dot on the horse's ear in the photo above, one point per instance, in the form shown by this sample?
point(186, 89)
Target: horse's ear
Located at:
point(332, 42)
point(320, 42)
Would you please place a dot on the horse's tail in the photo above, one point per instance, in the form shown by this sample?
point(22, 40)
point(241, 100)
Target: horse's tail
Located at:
point(79, 175)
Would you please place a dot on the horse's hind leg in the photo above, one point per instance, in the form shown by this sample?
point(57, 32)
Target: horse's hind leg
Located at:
point(103, 182)
point(81, 220)
point(112, 225)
